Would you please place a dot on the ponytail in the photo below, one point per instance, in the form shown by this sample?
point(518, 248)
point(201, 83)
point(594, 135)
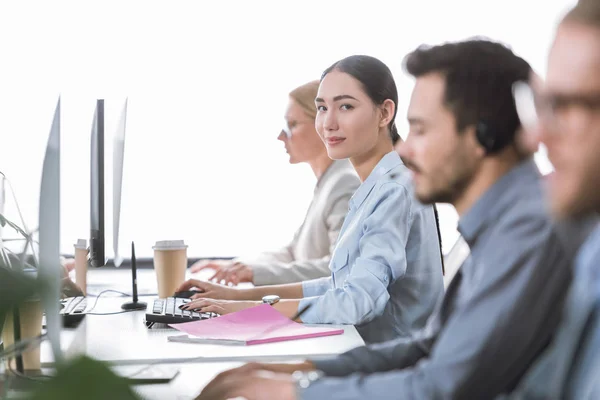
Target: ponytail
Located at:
point(394, 133)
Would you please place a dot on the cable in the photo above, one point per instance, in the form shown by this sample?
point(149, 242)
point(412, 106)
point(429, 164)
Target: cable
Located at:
point(100, 294)
point(96, 295)
point(109, 313)
point(112, 313)
point(22, 345)
point(39, 378)
point(20, 348)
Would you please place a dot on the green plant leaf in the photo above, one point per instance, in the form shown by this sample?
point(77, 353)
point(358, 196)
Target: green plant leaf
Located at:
point(84, 378)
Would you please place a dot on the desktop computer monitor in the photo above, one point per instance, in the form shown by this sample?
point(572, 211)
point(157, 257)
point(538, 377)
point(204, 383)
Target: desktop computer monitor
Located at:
point(97, 257)
point(2, 200)
point(118, 159)
point(50, 270)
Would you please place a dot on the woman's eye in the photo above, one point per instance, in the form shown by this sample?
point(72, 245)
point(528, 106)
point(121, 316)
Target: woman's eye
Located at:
point(346, 107)
point(321, 108)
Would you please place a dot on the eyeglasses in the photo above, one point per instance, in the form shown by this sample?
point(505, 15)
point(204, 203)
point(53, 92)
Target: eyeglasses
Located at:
point(534, 108)
point(288, 126)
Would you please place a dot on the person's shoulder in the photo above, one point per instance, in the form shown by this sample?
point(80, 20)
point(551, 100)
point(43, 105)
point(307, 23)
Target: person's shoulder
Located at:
point(397, 182)
point(527, 226)
point(395, 186)
point(343, 179)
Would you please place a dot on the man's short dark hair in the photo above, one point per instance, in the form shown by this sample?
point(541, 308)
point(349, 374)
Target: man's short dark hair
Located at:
point(479, 77)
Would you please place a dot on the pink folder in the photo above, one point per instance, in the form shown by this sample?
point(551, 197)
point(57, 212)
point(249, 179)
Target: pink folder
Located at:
point(256, 325)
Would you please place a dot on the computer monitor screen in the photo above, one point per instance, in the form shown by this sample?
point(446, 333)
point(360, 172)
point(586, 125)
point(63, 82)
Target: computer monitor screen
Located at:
point(118, 158)
point(97, 257)
point(49, 270)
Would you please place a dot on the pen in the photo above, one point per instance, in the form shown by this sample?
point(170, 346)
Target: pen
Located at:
point(300, 312)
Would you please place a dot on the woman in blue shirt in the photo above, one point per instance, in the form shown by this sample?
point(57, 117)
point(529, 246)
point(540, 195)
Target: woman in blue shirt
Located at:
point(386, 269)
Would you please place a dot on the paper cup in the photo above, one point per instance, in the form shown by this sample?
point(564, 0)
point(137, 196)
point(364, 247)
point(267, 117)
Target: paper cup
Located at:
point(170, 263)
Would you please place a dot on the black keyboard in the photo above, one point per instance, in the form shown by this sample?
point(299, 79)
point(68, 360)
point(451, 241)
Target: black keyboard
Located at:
point(167, 311)
point(72, 310)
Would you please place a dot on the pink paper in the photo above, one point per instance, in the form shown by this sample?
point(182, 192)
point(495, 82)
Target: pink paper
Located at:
point(256, 325)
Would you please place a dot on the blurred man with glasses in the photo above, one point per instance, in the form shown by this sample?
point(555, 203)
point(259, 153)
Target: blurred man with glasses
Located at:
point(564, 114)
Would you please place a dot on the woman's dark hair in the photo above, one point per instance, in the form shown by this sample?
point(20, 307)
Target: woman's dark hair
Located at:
point(376, 79)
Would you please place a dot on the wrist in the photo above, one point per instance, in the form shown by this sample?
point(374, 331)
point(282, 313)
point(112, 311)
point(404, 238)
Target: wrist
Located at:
point(249, 273)
point(304, 366)
point(307, 366)
point(237, 295)
point(244, 295)
point(245, 273)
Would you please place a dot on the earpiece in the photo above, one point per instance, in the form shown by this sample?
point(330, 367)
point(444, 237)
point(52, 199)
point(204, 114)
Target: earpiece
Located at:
point(489, 138)
point(485, 137)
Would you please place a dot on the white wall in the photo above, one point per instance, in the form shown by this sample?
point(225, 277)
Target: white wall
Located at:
point(207, 85)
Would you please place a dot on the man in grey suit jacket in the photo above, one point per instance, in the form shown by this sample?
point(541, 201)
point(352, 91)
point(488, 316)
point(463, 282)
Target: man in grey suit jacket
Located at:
point(569, 109)
point(500, 309)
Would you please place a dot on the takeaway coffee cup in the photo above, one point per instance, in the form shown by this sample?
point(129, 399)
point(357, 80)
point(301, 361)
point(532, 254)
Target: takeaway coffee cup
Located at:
point(170, 263)
point(30, 316)
point(81, 253)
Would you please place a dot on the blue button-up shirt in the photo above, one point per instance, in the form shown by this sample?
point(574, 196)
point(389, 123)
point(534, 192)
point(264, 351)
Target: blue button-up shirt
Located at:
point(583, 382)
point(570, 366)
point(386, 272)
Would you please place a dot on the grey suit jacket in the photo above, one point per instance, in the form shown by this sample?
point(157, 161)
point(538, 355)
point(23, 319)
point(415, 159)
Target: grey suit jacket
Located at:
point(570, 366)
point(496, 317)
point(307, 256)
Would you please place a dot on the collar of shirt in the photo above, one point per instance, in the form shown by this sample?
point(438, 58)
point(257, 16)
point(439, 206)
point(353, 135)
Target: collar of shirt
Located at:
point(390, 161)
point(497, 199)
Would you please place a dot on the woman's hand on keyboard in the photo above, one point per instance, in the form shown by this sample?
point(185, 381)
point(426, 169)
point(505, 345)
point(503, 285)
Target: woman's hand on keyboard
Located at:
point(209, 290)
point(220, 307)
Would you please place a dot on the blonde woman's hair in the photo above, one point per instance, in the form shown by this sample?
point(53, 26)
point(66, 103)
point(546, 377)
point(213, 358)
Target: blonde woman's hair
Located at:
point(305, 97)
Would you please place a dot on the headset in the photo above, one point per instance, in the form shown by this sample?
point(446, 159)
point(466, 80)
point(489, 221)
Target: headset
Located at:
point(491, 139)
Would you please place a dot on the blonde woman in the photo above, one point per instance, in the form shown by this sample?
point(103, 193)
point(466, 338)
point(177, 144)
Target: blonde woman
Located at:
point(307, 256)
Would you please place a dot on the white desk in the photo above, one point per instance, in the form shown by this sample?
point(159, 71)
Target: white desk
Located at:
point(187, 384)
point(100, 279)
point(124, 339)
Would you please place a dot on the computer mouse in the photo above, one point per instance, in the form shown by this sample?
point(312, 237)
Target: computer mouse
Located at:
point(186, 294)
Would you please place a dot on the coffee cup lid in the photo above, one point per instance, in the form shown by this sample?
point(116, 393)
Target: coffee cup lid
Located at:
point(81, 244)
point(169, 245)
